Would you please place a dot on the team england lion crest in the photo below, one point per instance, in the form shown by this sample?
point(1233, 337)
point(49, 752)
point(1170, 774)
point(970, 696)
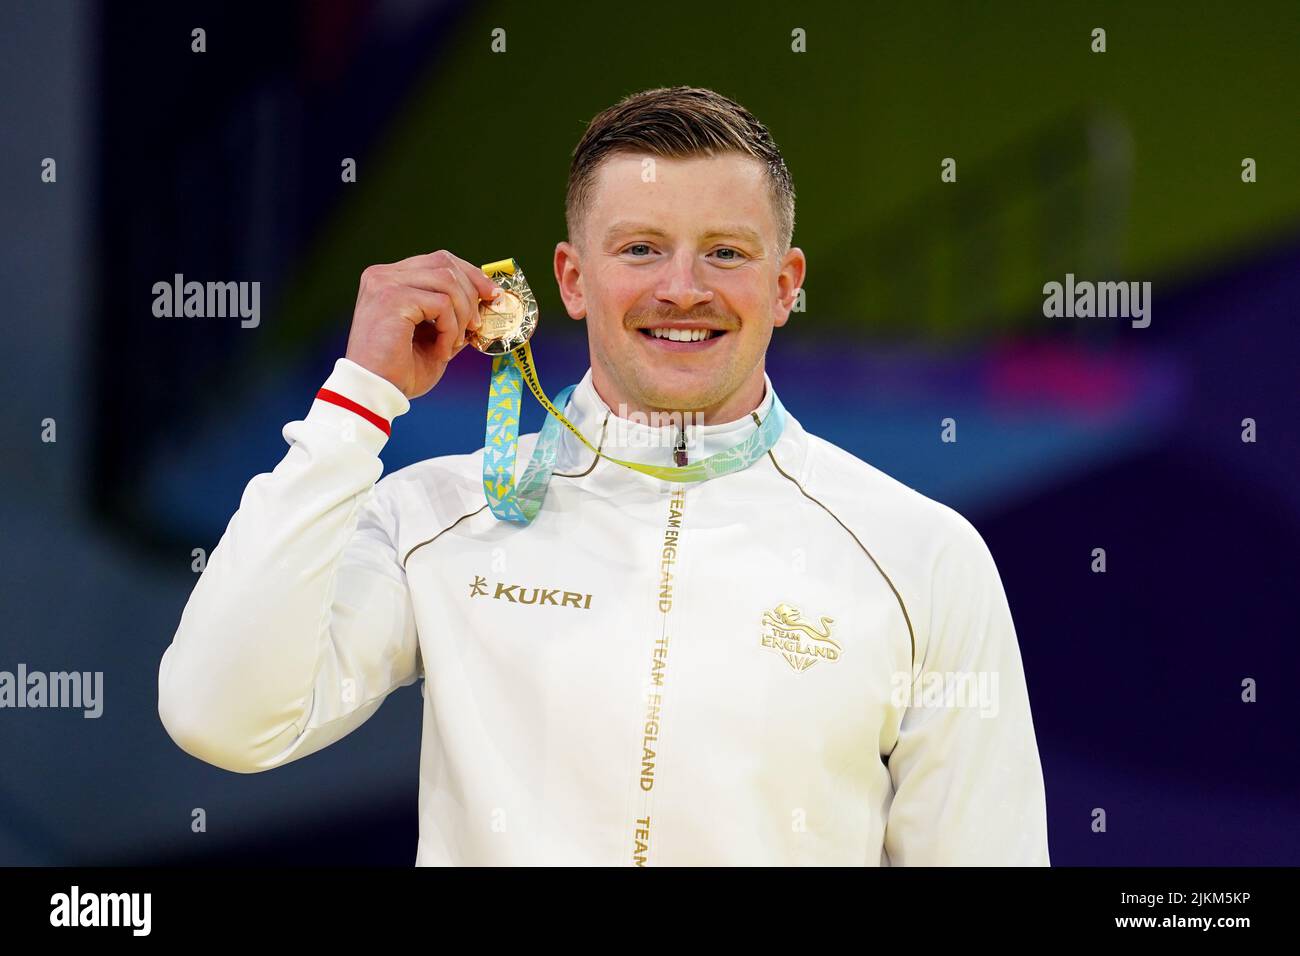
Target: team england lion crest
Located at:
point(800, 643)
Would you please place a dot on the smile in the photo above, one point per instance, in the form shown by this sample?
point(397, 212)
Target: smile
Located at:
point(679, 340)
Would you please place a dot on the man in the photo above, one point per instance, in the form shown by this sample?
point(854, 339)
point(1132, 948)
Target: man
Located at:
point(802, 661)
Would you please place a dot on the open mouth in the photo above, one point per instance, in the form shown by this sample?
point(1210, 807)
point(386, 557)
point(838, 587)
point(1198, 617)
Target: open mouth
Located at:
point(678, 339)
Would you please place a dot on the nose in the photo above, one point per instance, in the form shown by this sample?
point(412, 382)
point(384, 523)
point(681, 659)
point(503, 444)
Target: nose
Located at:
point(680, 285)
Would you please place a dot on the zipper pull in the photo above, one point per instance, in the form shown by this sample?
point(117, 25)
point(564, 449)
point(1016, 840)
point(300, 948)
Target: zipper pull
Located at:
point(679, 450)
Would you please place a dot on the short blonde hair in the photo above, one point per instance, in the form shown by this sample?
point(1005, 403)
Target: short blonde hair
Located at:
point(677, 122)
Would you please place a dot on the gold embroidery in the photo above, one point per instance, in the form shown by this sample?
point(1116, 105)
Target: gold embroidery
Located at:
point(800, 643)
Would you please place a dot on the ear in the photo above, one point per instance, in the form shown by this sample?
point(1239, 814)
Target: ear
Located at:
point(568, 276)
point(794, 268)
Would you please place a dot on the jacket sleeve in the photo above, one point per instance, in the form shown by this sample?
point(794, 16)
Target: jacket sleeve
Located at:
point(301, 623)
point(968, 783)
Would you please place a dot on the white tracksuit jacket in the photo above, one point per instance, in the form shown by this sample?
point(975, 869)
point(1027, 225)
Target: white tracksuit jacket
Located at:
point(803, 662)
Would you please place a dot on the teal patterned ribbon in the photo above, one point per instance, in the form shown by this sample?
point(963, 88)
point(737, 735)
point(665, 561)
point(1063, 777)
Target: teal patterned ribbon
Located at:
point(520, 504)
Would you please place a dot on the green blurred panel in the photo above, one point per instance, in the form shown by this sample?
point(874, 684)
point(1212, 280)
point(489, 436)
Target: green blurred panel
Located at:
point(1125, 164)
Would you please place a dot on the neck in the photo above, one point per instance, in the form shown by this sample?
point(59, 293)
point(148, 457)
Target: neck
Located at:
point(731, 408)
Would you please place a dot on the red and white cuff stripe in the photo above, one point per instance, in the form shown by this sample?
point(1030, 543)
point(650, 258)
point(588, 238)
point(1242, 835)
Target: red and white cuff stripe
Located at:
point(326, 395)
point(366, 395)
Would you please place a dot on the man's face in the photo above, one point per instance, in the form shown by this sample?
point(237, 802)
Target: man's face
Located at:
point(679, 244)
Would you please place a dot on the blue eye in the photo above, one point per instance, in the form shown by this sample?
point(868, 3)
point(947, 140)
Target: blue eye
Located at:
point(734, 258)
point(637, 245)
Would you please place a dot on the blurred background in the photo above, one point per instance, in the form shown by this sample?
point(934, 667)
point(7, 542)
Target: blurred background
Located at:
point(1073, 434)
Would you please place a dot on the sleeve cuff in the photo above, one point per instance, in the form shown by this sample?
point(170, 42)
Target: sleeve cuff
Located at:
point(355, 393)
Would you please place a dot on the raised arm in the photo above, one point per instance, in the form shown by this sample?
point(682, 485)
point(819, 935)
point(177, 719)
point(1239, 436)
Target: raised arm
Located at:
point(301, 623)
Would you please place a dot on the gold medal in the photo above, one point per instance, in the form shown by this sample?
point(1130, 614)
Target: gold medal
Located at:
point(509, 320)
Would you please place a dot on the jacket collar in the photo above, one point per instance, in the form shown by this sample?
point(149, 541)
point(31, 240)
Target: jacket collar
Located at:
point(637, 440)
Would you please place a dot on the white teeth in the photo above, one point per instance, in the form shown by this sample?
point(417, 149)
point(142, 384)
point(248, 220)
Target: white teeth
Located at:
point(682, 335)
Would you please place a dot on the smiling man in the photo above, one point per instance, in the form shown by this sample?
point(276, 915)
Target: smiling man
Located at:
point(772, 663)
point(707, 253)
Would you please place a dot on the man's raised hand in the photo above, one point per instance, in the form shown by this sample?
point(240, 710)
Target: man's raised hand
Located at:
point(412, 317)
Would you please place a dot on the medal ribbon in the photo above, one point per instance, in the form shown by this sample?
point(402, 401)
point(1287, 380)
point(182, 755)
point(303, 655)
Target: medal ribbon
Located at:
point(505, 402)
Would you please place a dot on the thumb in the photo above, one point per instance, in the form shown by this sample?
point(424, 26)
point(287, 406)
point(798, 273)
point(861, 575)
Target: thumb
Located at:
point(486, 288)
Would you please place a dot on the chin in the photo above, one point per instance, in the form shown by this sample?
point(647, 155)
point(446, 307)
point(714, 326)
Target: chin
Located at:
point(683, 398)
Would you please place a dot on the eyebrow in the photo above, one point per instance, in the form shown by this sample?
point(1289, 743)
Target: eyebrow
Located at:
point(729, 230)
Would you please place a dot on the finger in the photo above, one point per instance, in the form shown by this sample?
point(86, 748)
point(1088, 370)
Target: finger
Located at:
point(417, 305)
point(450, 281)
point(484, 287)
point(448, 329)
point(482, 283)
point(472, 318)
point(437, 309)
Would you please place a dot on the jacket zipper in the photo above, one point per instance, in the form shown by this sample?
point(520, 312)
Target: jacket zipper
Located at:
point(679, 449)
